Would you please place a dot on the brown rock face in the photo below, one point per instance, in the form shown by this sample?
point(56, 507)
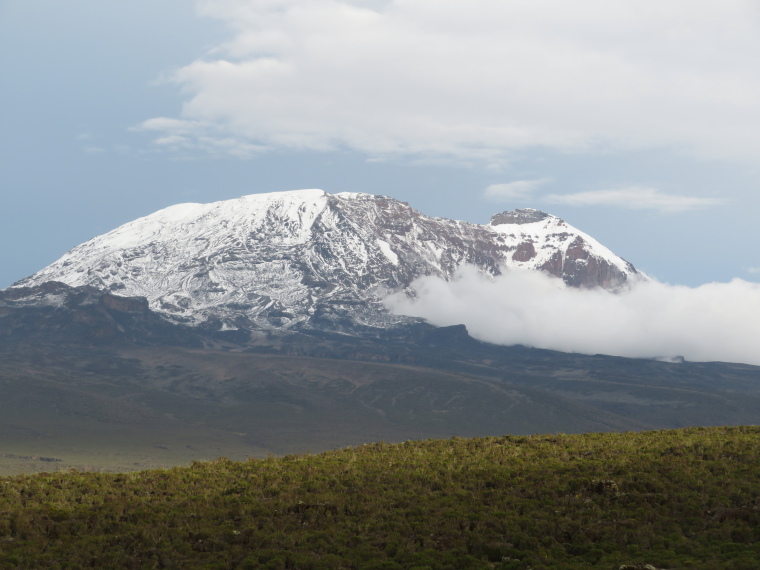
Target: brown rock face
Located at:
point(554, 265)
point(577, 250)
point(581, 269)
point(524, 252)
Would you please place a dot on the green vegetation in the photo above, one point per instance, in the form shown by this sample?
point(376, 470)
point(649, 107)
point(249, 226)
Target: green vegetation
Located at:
point(685, 498)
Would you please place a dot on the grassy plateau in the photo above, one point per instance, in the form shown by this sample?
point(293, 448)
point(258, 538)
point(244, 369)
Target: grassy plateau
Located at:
point(686, 498)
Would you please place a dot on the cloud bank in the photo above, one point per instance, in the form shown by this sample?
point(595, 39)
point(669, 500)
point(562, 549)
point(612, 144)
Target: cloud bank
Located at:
point(477, 79)
point(713, 322)
point(629, 198)
point(635, 198)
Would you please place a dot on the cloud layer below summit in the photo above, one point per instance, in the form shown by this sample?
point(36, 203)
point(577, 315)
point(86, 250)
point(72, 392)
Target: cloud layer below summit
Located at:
point(713, 322)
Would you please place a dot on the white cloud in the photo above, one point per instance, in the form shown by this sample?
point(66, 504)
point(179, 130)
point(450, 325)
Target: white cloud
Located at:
point(635, 198)
point(753, 269)
point(176, 126)
point(517, 190)
point(717, 321)
point(88, 142)
point(479, 79)
point(183, 135)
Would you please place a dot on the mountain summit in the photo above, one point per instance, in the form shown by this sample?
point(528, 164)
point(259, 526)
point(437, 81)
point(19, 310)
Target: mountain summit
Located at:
point(309, 259)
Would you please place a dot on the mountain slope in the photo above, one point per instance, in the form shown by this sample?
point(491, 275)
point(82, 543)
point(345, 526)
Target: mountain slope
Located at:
point(309, 259)
point(126, 406)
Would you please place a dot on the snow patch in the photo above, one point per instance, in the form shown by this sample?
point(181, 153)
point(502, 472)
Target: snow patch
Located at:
point(385, 247)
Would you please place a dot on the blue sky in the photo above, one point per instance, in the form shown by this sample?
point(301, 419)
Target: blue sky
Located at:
point(636, 122)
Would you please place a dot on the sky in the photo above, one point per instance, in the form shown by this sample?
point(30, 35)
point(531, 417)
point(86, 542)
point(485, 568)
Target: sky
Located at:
point(637, 122)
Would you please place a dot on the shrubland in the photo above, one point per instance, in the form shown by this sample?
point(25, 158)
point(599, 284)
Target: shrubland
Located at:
point(687, 498)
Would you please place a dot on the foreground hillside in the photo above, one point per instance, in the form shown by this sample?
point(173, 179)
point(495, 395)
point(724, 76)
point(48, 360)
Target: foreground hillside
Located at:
point(673, 499)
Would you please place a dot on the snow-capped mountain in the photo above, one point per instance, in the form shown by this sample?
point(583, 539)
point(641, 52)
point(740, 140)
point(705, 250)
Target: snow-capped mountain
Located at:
point(311, 259)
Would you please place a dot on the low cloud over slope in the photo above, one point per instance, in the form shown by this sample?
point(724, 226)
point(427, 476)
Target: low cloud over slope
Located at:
point(716, 321)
